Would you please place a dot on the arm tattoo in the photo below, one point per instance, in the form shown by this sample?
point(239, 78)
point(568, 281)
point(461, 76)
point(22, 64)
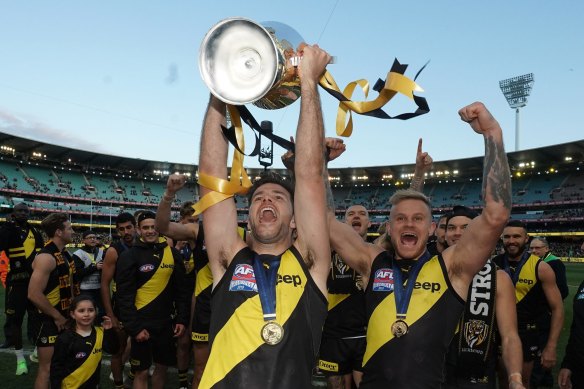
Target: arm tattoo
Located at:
point(330, 200)
point(417, 183)
point(496, 174)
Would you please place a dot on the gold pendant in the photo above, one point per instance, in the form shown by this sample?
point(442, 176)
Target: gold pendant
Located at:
point(399, 328)
point(272, 333)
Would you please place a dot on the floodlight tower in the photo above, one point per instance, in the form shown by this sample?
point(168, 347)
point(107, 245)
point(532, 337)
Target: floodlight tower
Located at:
point(516, 91)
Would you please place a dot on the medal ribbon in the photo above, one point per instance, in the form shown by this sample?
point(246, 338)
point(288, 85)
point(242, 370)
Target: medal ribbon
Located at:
point(266, 283)
point(515, 275)
point(403, 294)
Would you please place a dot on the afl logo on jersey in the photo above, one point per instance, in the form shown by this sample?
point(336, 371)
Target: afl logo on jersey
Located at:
point(383, 281)
point(80, 355)
point(243, 279)
point(147, 268)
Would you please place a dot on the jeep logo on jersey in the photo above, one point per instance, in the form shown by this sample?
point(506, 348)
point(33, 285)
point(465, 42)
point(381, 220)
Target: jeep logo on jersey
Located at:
point(146, 268)
point(383, 280)
point(80, 355)
point(243, 279)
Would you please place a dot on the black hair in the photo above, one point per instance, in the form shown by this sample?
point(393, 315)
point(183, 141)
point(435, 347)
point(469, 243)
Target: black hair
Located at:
point(125, 217)
point(146, 215)
point(186, 209)
point(271, 177)
point(516, 223)
point(74, 303)
point(461, 210)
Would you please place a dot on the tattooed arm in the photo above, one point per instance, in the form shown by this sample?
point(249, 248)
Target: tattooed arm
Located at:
point(467, 257)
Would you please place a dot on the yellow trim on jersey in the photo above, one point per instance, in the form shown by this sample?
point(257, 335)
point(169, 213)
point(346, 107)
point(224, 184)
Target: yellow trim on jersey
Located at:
point(335, 299)
point(54, 296)
point(241, 334)
point(204, 279)
point(30, 244)
point(157, 283)
point(379, 327)
point(84, 372)
point(528, 273)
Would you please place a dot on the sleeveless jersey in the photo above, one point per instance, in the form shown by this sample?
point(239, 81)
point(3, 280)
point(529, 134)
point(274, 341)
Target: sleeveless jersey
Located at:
point(416, 359)
point(239, 358)
point(529, 296)
point(58, 289)
point(20, 245)
point(346, 302)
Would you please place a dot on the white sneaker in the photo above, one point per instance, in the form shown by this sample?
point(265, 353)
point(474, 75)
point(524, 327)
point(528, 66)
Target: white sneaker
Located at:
point(34, 357)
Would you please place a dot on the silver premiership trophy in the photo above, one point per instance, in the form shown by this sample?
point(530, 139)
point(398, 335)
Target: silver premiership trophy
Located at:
point(243, 62)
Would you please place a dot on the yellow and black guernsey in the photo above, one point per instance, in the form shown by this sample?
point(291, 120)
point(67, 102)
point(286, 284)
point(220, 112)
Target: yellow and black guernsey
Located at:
point(529, 295)
point(346, 302)
point(151, 287)
point(239, 357)
point(416, 359)
point(21, 244)
point(203, 287)
point(61, 287)
point(76, 360)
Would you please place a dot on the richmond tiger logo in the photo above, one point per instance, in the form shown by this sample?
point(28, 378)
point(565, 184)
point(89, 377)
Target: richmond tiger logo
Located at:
point(475, 332)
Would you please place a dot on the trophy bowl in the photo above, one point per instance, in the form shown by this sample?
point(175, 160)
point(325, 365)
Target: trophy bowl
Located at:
point(243, 62)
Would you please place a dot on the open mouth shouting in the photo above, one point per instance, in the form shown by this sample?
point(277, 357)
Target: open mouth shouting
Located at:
point(409, 239)
point(268, 215)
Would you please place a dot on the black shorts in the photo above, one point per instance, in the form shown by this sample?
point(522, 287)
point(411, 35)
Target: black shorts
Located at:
point(530, 341)
point(17, 302)
point(160, 348)
point(202, 313)
point(47, 334)
point(340, 356)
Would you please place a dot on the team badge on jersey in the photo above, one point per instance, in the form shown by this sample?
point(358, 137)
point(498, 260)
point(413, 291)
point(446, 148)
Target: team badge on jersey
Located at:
point(243, 279)
point(475, 332)
point(383, 280)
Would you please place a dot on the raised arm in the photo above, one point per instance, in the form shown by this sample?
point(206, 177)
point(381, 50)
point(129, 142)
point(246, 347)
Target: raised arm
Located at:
point(175, 231)
point(309, 198)
point(554, 299)
point(423, 165)
point(470, 254)
point(221, 238)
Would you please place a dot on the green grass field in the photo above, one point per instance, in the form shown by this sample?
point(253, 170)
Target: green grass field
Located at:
point(575, 275)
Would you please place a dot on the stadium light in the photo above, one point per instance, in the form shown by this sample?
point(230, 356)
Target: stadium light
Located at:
point(516, 90)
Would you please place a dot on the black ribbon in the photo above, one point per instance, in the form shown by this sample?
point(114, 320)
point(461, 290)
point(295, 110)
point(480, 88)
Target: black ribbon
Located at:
point(266, 283)
point(403, 294)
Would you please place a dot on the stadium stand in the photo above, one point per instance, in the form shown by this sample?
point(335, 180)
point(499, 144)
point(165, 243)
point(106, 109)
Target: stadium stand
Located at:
point(548, 186)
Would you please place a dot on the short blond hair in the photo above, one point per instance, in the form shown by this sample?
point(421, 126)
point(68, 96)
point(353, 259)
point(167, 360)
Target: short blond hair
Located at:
point(410, 194)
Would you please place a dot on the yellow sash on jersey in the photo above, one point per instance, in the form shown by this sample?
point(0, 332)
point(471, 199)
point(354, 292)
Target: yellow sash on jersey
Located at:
point(379, 327)
point(527, 278)
point(334, 299)
point(84, 372)
point(157, 283)
point(241, 334)
point(204, 279)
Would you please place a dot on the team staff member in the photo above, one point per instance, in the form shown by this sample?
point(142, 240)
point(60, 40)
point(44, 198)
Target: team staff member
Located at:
point(51, 289)
point(343, 337)
point(88, 264)
point(20, 241)
point(269, 339)
point(76, 362)
point(571, 374)
point(409, 329)
point(489, 313)
point(535, 291)
point(151, 287)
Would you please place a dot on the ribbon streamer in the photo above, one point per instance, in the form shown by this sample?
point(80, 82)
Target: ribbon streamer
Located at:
point(240, 183)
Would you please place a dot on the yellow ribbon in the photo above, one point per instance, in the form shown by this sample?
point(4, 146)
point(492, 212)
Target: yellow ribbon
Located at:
point(394, 83)
point(239, 183)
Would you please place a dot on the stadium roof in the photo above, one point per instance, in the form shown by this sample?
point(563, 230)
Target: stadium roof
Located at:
point(547, 157)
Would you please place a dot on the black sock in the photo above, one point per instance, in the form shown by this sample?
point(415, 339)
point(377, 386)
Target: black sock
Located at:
point(183, 379)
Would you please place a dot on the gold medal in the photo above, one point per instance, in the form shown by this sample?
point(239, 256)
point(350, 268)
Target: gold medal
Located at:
point(399, 328)
point(272, 333)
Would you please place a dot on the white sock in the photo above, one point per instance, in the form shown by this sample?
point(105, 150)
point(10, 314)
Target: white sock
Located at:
point(19, 355)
